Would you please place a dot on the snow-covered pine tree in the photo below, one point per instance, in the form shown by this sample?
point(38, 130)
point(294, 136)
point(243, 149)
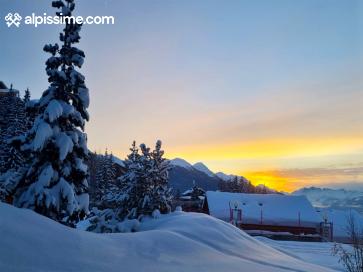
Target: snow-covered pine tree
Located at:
point(99, 186)
point(92, 181)
point(105, 178)
point(146, 182)
point(130, 193)
point(161, 198)
point(31, 109)
point(141, 190)
point(110, 171)
point(146, 185)
point(121, 199)
point(14, 125)
point(55, 183)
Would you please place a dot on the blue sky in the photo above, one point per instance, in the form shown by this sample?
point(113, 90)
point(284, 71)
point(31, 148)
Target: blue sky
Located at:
point(245, 86)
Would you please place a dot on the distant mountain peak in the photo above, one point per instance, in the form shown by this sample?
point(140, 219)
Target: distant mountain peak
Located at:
point(203, 168)
point(181, 163)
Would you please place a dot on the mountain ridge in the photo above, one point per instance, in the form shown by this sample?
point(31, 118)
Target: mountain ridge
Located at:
point(332, 198)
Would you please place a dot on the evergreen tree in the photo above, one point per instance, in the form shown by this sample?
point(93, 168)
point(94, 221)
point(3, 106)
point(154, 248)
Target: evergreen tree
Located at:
point(13, 124)
point(92, 181)
point(55, 181)
point(110, 171)
point(162, 196)
point(145, 183)
point(26, 98)
point(132, 191)
point(141, 190)
point(100, 186)
point(105, 178)
point(30, 109)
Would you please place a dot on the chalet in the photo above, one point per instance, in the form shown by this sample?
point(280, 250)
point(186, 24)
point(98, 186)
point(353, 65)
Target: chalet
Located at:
point(5, 91)
point(274, 215)
point(191, 200)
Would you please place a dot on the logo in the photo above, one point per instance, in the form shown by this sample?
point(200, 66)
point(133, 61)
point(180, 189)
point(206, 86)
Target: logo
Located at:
point(36, 20)
point(13, 19)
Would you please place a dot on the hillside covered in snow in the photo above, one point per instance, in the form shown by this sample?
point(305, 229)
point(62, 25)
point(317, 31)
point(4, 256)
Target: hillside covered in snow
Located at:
point(31, 242)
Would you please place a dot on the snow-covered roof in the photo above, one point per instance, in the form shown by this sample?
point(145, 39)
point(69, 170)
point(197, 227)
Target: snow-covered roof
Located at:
point(118, 161)
point(276, 209)
point(187, 192)
point(4, 90)
point(3, 86)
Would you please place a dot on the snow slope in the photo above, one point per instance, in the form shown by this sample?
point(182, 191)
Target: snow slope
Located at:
point(314, 252)
point(177, 242)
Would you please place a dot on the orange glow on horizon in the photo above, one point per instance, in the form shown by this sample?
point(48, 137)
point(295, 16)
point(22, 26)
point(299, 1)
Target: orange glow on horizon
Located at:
point(234, 158)
point(271, 180)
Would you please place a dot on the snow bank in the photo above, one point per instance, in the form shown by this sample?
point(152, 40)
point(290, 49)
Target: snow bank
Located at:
point(276, 209)
point(313, 252)
point(177, 242)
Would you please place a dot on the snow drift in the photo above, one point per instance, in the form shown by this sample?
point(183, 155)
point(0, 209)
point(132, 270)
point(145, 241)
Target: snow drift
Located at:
point(177, 242)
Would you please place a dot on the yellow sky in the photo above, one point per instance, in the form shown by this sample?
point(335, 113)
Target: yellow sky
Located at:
point(283, 164)
point(270, 148)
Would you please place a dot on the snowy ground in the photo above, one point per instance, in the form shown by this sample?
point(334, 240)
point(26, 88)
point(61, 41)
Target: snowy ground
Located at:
point(318, 253)
point(177, 242)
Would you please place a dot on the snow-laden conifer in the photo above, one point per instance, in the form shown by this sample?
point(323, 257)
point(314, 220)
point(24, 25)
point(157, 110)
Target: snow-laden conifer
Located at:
point(105, 178)
point(161, 198)
point(145, 183)
point(55, 181)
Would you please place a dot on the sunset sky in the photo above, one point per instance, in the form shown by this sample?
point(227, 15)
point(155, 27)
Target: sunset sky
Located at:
point(272, 90)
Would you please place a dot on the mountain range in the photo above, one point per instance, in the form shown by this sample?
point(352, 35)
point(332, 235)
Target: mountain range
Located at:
point(333, 198)
point(184, 176)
